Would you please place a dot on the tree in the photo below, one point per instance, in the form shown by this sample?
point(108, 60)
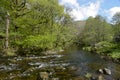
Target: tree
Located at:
point(43, 20)
point(11, 8)
point(96, 30)
point(116, 26)
point(7, 31)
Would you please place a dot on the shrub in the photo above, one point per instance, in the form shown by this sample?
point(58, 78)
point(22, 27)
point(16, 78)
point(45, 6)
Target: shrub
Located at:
point(40, 41)
point(104, 47)
point(115, 54)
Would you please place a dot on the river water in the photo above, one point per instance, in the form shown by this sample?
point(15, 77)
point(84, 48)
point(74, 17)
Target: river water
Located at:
point(72, 64)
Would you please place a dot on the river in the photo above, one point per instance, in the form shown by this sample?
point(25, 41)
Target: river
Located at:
point(72, 64)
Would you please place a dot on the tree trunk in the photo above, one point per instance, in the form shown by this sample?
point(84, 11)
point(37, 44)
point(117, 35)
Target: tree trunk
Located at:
point(7, 32)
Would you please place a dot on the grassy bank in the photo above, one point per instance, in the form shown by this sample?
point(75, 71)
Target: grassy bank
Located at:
point(106, 49)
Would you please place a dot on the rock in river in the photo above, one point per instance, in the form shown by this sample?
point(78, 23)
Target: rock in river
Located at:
point(73, 68)
point(101, 71)
point(43, 76)
point(107, 71)
point(55, 78)
point(93, 78)
point(100, 77)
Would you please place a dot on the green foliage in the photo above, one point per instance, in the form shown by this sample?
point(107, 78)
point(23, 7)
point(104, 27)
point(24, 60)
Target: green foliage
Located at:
point(96, 30)
point(10, 52)
point(116, 27)
point(115, 54)
point(36, 25)
point(89, 48)
point(116, 18)
point(40, 41)
point(2, 35)
point(104, 47)
point(64, 36)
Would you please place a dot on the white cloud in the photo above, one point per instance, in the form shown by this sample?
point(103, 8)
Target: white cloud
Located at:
point(112, 11)
point(72, 3)
point(81, 12)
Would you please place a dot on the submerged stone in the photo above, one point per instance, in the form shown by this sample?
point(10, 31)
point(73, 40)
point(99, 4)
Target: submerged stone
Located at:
point(93, 78)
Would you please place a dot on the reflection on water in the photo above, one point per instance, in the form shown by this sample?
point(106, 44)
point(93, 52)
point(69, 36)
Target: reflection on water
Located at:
point(91, 63)
point(70, 65)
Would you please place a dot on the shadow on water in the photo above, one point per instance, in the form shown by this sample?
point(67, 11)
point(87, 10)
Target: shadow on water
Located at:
point(72, 64)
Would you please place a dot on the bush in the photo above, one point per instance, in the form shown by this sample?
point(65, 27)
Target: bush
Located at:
point(87, 48)
point(40, 41)
point(104, 47)
point(36, 44)
point(115, 54)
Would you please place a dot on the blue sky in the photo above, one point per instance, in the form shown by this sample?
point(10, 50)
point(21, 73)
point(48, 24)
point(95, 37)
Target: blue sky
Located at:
point(82, 9)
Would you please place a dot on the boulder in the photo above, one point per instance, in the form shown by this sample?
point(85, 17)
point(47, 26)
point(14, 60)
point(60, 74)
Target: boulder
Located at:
point(100, 77)
point(101, 71)
point(55, 78)
point(107, 71)
point(43, 76)
point(59, 68)
point(61, 50)
point(72, 68)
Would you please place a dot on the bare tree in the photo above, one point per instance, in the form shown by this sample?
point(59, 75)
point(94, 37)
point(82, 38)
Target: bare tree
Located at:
point(7, 32)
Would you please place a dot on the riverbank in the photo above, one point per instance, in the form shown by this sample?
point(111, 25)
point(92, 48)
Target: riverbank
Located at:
point(106, 50)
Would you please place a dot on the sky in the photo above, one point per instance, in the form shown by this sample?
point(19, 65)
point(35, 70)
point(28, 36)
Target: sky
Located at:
point(82, 9)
